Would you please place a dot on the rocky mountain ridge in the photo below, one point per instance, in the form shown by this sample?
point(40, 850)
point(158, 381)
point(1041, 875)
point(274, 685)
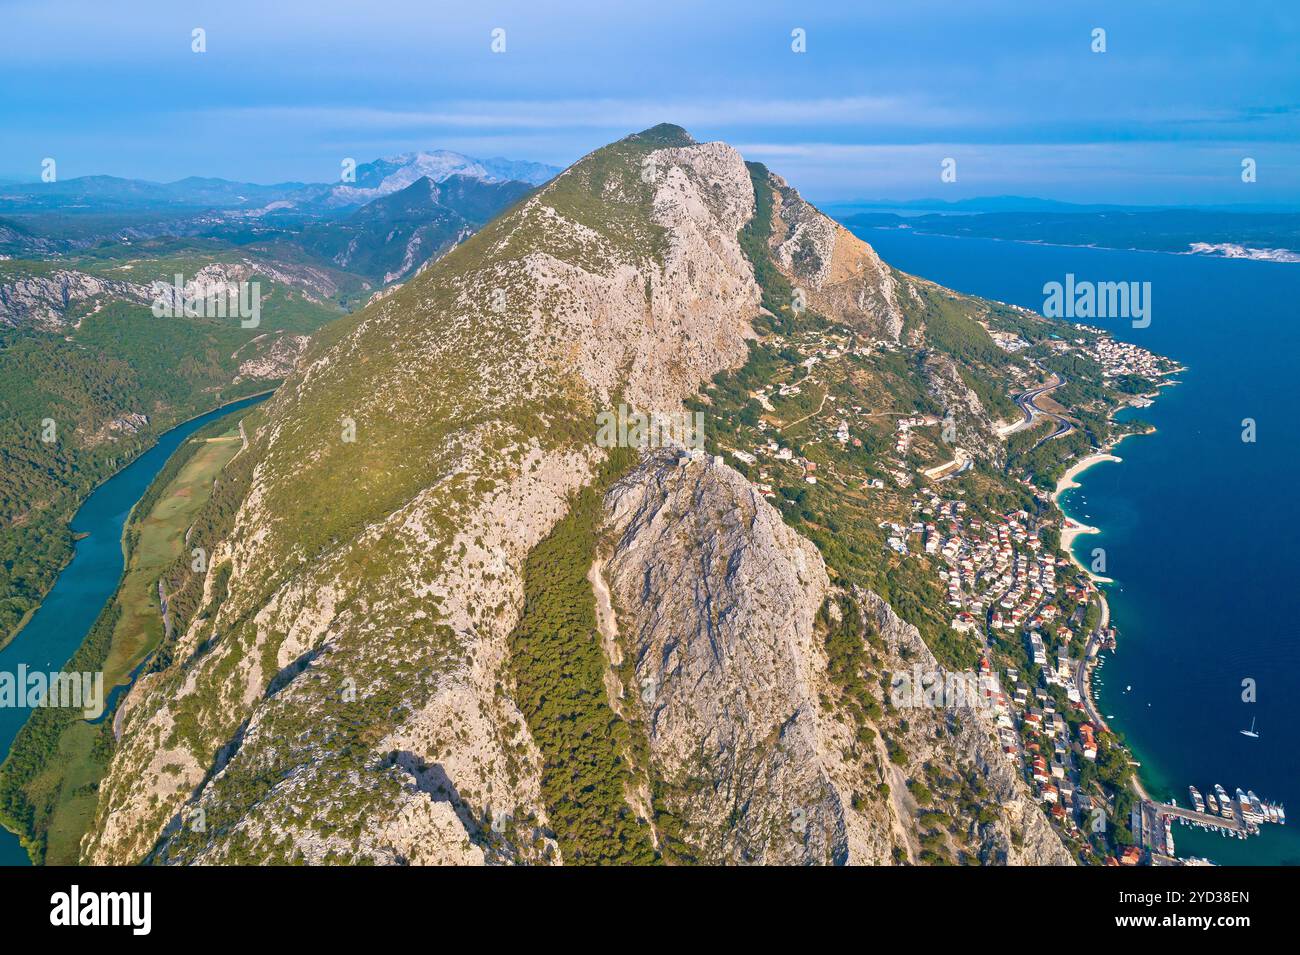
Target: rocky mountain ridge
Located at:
point(51, 299)
point(373, 179)
point(351, 689)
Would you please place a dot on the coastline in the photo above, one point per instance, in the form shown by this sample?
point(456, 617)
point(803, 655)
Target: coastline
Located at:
point(1190, 250)
point(1068, 481)
point(1071, 528)
point(1168, 640)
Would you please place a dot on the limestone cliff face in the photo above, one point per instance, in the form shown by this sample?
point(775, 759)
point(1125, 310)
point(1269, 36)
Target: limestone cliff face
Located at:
point(841, 275)
point(41, 301)
point(354, 638)
point(270, 356)
point(50, 302)
point(715, 600)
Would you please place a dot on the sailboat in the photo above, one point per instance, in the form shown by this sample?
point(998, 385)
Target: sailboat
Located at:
point(1251, 732)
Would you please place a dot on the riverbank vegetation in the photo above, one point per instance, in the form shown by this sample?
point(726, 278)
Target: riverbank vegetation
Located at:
point(49, 781)
point(80, 404)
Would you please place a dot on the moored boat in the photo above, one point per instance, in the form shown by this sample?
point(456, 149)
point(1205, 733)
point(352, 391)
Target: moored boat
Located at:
point(1225, 804)
point(1259, 811)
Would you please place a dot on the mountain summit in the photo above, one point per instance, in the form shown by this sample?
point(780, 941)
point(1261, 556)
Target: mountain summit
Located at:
point(441, 622)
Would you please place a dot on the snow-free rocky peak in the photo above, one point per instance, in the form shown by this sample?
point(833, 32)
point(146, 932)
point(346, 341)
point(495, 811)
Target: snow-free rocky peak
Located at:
point(360, 679)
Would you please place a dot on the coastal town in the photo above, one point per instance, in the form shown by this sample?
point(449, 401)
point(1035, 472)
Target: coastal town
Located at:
point(1009, 580)
point(1037, 616)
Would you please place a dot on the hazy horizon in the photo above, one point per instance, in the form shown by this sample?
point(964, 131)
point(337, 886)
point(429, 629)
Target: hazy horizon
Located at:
point(1016, 96)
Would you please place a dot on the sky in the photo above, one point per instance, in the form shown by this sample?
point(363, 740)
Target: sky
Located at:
point(883, 93)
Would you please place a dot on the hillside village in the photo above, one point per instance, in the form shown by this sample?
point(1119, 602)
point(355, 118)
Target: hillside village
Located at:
point(1025, 610)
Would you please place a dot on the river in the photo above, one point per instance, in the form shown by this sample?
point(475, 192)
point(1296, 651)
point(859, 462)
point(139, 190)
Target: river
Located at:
point(62, 621)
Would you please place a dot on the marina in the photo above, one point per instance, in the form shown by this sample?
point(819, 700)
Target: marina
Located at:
point(1215, 812)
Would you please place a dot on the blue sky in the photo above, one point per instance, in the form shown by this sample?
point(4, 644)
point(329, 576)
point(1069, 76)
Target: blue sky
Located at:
point(885, 91)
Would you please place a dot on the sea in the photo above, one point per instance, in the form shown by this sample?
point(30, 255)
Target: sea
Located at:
point(1199, 526)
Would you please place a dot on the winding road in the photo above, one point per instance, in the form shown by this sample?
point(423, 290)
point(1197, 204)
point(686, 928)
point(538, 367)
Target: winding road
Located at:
point(1025, 402)
point(791, 424)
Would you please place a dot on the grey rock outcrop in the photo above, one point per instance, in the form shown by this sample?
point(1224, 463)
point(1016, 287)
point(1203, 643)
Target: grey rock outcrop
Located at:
point(715, 600)
point(43, 301)
point(841, 275)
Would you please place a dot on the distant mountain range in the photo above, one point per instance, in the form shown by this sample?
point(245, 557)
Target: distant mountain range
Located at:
point(112, 193)
point(381, 177)
point(390, 236)
point(383, 241)
point(381, 226)
point(384, 177)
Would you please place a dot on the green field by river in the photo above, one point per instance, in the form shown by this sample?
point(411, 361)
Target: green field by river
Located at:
point(68, 784)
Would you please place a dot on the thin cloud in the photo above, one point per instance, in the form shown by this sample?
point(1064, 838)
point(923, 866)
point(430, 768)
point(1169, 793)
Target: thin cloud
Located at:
point(619, 114)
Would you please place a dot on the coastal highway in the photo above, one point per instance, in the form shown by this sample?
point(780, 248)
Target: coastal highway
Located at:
point(1025, 401)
